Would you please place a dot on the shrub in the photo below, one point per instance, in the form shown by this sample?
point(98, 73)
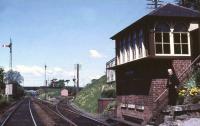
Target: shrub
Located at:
point(109, 93)
point(194, 91)
point(197, 78)
point(189, 95)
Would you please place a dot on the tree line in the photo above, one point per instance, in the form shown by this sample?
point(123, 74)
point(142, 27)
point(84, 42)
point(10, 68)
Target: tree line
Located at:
point(193, 4)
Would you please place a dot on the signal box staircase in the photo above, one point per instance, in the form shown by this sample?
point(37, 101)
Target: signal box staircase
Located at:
point(161, 109)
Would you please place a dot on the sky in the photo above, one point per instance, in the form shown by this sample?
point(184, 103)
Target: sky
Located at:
point(61, 33)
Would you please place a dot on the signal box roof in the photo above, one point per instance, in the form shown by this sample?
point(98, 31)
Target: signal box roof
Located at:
point(168, 10)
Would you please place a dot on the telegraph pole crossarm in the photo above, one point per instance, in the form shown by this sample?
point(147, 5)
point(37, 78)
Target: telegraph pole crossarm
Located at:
point(154, 3)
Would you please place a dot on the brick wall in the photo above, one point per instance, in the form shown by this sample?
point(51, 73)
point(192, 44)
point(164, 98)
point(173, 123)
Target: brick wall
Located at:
point(147, 101)
point(179, 66)
point(158, 85)
point(103, 103)
point(142, 108)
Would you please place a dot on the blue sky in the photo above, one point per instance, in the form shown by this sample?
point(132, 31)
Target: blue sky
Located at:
point(61, 33)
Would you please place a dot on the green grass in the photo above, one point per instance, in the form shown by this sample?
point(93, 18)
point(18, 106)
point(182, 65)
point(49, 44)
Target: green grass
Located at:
point(4, 102)
point(87, 98)
point(50, 93)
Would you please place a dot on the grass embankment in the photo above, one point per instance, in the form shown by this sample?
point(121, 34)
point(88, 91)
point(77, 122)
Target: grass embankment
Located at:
point(4, 103)
point(87, 98)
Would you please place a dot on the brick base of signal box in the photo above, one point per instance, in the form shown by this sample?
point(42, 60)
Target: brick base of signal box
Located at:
point(140, 108)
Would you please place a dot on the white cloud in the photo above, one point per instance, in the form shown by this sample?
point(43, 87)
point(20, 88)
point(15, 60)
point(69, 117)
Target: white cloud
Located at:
point(35, 70)
point(39, 71)
point(34, 75)
point(58, 69)
point(95, 54)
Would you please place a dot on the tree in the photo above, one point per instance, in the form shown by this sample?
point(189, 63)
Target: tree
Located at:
point(2, 84)
point(61, 83)
point(193, 4)
point(57, 83)
point(53, 83)
point(13, 77)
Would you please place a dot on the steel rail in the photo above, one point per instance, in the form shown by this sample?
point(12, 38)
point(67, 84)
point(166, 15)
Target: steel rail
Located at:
point(65, 116)
point(35, 124)
point(14, 110)
point(10, 114)
point(81, 114)
point(59, 114)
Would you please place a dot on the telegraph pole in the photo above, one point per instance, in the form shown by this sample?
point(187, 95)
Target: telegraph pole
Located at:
point(154, 3)
point(74, 80)
point(10, 46)
point(45, 81)
point(77, 89)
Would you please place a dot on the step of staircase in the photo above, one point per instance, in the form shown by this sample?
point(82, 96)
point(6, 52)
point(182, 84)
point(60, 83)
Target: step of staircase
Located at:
point(182, 108)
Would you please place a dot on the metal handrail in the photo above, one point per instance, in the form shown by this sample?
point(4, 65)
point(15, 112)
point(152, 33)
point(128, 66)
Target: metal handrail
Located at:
point(196, 59)
point(110, 62)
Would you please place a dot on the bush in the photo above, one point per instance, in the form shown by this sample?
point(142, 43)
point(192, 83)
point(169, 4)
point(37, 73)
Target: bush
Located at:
point(109, 93)
point(189, 95)
point(197, 78)
point(18, 91)
point(110, 108)
point(3, 102)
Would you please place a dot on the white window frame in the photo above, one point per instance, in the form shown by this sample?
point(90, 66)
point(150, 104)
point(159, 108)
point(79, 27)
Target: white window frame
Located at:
point(183, 43)
point(162, 43)
point(124, 51)
point(128, 43)
point(134, 47)
point(121, 52)
point(172, 52)
point(118, 53)
point(140, 42)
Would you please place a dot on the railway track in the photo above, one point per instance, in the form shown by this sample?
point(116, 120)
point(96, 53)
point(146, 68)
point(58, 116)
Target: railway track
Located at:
point(79, 118)
point(52, 108)
point(21, 115)
point(27, 113)
point(76, 118)
point(67, 107)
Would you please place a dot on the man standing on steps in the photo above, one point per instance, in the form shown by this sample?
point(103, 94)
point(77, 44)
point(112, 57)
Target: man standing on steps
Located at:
point(172, 84)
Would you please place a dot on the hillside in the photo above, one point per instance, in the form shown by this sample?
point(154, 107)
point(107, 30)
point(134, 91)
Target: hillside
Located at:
point(87, 98)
